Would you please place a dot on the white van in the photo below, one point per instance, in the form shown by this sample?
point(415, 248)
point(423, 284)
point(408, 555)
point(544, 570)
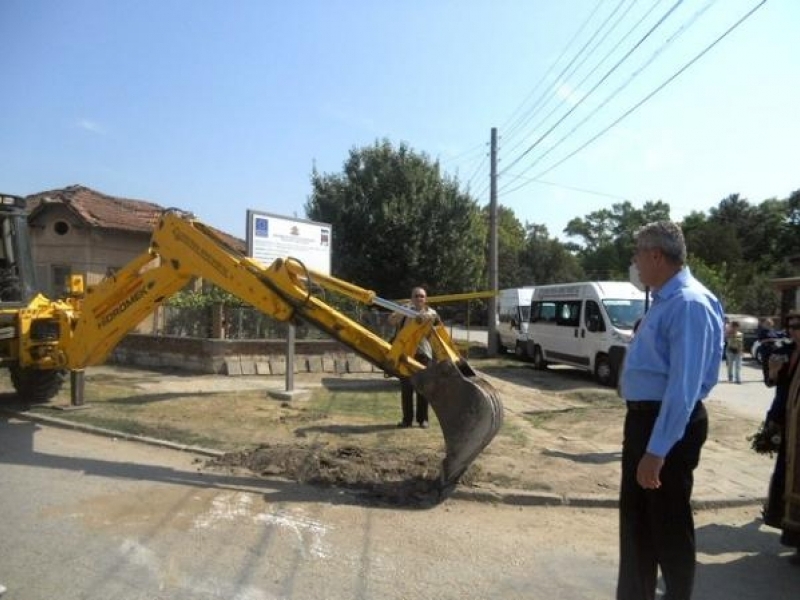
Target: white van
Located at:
point(513, 314)
point(586, 325)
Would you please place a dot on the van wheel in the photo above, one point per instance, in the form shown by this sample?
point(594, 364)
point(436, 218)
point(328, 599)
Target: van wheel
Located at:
point(519, 351)
point(500, 348)
point(603, 371)
point(538, 359)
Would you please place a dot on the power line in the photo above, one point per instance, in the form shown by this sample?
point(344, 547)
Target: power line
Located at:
point(633, 76)
point(510, 128)
point(467, 152)
point(591, 72)
point(575, 189)
point(478, 169)
point(531, 112)
point(649, 96)
point(602, 79)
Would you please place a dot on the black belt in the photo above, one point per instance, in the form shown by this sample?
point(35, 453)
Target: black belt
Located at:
point(654, 405)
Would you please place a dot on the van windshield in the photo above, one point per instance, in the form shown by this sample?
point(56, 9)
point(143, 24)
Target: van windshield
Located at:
point(624, 313)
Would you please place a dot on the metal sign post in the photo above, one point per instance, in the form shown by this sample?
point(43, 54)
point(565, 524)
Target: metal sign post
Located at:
point(270, 237)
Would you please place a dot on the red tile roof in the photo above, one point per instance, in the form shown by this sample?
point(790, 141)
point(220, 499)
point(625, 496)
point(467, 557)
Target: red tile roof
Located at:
point(109, 212)
point(99, 210)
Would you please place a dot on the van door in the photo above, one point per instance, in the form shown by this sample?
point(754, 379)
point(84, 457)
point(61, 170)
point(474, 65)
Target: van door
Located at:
point(593, 332)
point(565, 345)
point(507, 318)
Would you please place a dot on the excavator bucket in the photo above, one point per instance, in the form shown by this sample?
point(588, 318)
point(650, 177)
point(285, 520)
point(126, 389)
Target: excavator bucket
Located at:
point(469, 411)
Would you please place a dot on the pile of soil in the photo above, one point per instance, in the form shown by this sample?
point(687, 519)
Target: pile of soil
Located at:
point(378, 475)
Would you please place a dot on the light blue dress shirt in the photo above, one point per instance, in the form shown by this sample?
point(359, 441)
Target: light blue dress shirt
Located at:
point(675, 355)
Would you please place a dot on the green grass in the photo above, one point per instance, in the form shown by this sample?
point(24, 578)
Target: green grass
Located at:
point(513, 432)
point(127, 426)
point(371, 405)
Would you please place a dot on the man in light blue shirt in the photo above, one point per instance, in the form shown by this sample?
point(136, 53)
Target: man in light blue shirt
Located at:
point(670, 367)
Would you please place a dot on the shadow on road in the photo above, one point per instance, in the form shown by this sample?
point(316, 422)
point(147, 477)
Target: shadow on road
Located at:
point(592, 458)
point(17, 447)
point(745, 562)
point(559, 379)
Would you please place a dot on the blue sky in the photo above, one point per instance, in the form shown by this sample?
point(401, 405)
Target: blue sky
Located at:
point(221, 106)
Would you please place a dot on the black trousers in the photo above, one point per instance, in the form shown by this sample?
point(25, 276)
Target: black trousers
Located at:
point(657, 526)
point(407, 398)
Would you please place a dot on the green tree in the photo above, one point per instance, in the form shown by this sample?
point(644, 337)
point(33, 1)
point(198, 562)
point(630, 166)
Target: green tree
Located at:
point(607, 236)
point(789, 242)
point(546, 260)
point(510, 245)
point(398, 222)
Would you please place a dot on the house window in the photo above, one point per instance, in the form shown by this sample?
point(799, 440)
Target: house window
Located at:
point(59, 283)
point(61, 227)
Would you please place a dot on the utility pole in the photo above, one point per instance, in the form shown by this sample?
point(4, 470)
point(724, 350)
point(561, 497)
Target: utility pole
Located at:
point(492, 312)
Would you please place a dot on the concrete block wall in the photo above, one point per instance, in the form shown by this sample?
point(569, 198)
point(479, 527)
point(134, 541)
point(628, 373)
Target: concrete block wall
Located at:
point(236, 357)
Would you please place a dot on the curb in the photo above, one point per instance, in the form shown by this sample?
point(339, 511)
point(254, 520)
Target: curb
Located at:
point(110, 433)
point(521, 498)
point(499, 496)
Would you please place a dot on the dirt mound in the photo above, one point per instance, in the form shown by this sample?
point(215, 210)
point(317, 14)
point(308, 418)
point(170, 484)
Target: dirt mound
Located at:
point(378, 475)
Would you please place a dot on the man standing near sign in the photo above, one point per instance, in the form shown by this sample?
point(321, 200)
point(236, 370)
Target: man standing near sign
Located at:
point(424, 354)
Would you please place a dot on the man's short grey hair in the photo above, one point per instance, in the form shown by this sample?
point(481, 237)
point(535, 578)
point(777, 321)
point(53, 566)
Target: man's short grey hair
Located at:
point(665, 236)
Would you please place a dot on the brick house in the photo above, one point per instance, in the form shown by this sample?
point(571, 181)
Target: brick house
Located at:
point(77, 230)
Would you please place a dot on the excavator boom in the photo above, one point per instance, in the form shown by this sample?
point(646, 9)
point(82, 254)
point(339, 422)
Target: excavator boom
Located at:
point(91, 324)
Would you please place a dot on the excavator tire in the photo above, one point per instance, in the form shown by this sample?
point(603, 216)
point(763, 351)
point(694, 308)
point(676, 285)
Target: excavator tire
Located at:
point(36, 386)
point(469, 410)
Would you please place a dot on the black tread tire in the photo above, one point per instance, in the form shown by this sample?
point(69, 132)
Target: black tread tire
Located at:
point(500, 348)
point(539, 362)
point(36, 386)
point(604, 372)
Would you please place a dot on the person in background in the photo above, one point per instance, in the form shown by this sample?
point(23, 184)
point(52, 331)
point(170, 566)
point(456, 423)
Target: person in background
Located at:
point(671, 365)
point(424, 354)
point(765, 329)
point(782, 510)
point(734, 348)
point(768, 338)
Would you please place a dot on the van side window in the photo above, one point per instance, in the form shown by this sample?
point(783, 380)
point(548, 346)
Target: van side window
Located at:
point(594, 317)
point(568, 313)
point(543, 312)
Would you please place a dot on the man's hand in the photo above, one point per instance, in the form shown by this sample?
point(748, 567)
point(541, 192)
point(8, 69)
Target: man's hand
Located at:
point(649, 470)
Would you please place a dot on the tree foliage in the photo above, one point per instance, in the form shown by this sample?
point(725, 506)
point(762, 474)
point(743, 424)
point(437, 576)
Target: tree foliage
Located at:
point(398, 222)
point(510, 245)
point(546, 260)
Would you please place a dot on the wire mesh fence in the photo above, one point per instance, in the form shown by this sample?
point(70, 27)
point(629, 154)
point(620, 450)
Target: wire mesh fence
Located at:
point(246, 323)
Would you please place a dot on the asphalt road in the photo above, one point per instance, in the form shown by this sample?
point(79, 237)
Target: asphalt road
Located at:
point(92, 518)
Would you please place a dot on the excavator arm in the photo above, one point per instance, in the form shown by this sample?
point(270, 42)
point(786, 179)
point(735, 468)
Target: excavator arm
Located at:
point(182, 248)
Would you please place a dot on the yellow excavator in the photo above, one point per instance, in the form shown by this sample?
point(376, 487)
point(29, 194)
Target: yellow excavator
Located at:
point(41, 340)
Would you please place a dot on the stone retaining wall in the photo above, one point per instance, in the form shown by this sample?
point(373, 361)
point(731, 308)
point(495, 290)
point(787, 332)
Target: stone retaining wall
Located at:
point(236, 357)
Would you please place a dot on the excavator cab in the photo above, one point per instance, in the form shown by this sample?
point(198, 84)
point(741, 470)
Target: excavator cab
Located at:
point(17, 275)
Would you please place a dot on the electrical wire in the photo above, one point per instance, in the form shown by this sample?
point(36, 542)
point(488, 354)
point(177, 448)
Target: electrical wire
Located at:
point(467, 152)
point(685, 27)
point(547, 97)
point(511, 128)
point(580, 64)
point(600, 82)
point(477, 170)
point(576, 189)
point(636, 106)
